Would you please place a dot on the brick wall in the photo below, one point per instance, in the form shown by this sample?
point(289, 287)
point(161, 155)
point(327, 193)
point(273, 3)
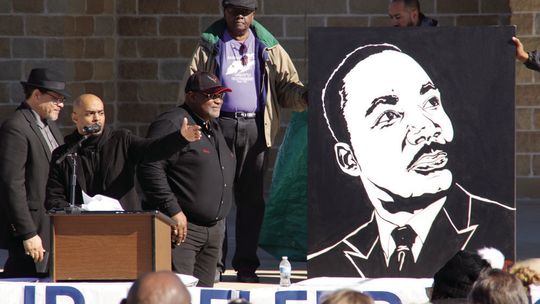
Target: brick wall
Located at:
point(133, 52)
point(526, 16)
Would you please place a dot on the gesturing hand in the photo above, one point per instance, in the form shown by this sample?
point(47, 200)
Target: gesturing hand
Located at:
point(190, 132)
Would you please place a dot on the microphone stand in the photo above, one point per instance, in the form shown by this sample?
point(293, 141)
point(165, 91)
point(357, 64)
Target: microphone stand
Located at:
point(74, 209)
point(71, 154)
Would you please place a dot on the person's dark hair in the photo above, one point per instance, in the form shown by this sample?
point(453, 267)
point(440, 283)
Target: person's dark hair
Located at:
point(456, 278)
point(334, 91)
point(498, 287)
point(409, 3)
point(346, 296)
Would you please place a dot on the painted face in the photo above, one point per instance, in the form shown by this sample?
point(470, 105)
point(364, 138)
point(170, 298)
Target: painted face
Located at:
point(238, 20)
point(398, 126)
point(89, 111)
point(206, 106)
point(50, 104)
point(401, 16)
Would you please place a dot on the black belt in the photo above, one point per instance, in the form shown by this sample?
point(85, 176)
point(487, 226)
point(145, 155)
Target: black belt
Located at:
point(238, 114)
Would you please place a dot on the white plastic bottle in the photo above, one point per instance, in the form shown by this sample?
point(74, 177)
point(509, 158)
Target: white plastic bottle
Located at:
point(285, 272)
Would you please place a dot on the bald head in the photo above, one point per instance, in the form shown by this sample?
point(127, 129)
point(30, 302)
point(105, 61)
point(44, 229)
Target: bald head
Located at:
point(88, 109)
point(163, 287)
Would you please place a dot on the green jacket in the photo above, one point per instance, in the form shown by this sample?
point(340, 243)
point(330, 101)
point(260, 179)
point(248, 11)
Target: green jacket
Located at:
point(279, 81)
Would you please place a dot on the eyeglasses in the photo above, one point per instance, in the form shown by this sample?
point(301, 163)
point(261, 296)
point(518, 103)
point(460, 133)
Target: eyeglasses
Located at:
point(56, 99)
point(243, 50)
point(213, 96)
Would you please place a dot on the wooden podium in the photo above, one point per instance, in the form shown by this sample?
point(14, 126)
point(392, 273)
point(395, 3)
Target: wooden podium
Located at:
point(90, 246)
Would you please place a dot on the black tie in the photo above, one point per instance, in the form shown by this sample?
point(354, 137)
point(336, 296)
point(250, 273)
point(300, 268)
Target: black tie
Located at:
point(402, 257)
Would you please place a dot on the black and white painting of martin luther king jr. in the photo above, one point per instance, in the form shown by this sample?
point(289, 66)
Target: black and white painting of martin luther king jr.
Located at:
point(390, 130)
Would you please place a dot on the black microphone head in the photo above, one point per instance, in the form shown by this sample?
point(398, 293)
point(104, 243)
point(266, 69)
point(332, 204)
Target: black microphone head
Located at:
point(92, 129)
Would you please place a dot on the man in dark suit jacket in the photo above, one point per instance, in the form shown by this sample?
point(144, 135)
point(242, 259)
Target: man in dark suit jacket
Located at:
point(27, 139)
point(391, 132)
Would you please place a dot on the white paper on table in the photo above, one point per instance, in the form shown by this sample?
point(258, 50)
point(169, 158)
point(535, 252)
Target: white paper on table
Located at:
point(100, 202)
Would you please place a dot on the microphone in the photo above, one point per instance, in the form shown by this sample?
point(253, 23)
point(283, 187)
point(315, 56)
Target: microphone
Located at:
point(88, 130)
point(91, 129)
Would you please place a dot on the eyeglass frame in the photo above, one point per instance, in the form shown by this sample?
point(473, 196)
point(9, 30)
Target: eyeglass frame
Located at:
point(56, 100)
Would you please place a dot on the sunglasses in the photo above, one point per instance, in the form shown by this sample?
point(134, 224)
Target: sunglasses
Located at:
point(243, 50)
point(212, 96)
point(235, 11)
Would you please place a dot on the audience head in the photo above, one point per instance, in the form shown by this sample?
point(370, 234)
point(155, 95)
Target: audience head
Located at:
point(346, 296)
point(163, 287)
point(239, 301)
point(498, 287)
point(526, 275)
point(456, 278)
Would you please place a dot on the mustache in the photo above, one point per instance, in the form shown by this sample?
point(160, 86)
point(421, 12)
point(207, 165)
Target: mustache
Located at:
point(434, 146)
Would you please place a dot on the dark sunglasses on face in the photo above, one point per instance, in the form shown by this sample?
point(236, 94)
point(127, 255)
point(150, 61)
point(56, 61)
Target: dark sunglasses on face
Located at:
point(235, 11)
point(213, 96)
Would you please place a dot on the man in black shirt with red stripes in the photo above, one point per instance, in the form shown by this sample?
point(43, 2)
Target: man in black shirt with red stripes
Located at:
point(194, 186)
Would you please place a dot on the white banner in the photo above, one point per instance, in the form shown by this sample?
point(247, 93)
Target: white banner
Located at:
point(391, 291)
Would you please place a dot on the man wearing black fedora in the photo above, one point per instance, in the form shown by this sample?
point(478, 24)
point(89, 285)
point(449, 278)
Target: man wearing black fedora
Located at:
point(27, 139)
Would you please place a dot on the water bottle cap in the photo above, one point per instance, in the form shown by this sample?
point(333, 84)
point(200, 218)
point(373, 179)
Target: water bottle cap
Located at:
point(284, 257)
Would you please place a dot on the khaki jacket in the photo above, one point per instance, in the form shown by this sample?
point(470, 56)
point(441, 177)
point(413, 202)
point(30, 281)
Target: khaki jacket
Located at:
point(280, 80)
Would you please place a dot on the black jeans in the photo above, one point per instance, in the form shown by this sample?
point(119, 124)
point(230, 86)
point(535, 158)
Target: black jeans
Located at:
point(245, 138)
point(199, 253)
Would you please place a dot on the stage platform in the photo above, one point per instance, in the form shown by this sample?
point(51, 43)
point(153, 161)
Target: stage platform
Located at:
point(268, 291)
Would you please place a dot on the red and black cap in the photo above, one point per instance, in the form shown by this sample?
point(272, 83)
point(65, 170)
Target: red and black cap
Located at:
point(205, 82)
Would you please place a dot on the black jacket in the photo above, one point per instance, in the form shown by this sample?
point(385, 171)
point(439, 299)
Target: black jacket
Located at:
point(197, 180)
point(106, 165)
point(533, 62)
point(24, 165)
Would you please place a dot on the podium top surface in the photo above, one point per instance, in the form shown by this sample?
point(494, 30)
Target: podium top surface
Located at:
point(152, 213)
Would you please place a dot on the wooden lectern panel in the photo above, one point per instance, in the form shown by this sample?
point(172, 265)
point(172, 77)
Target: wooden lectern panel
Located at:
point(97, 246)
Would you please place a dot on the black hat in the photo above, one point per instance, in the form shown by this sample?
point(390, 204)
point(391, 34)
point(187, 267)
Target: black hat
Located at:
point(205, 82)
point(249, 4)
point(47, 79)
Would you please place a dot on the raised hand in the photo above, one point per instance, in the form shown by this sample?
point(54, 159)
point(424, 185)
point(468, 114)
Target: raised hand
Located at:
point(190, 132)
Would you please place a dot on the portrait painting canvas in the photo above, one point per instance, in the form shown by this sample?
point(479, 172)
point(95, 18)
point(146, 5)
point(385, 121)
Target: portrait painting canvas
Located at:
point(411, 148)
